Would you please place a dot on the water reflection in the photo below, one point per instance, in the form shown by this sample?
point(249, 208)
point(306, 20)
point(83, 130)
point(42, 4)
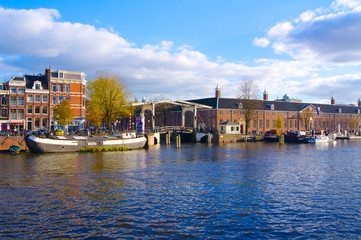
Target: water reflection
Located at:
point(240, 190)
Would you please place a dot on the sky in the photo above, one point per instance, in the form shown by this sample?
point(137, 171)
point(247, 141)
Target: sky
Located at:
point(309, 50)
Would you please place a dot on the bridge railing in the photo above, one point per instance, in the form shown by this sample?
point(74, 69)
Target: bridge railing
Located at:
point(169, 128)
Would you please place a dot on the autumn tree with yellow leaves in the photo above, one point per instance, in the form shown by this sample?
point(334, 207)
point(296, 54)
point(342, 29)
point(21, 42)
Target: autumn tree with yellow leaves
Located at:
point(63, 113)
point(107, 94)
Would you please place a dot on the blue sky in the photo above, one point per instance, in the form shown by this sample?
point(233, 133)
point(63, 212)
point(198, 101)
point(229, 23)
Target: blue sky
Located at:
point(183, 49)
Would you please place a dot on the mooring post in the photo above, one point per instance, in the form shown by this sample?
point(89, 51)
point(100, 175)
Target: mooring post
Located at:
point(209, 137)
point(167, 138)
point(281, 140)
point(178, 141)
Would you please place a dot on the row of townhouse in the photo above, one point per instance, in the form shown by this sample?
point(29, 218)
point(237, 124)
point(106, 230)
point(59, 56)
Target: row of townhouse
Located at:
point(27, 102)
point(294, 114)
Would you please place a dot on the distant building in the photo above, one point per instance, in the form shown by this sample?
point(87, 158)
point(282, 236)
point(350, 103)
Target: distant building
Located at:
point(4, 106)
point(70, 86)
point(28, 102)
point(295, 115)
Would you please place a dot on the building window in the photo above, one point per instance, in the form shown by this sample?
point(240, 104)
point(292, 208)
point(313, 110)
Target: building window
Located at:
point(67, 98)
point(255, 123)
point(21, 101)
point(21, 90)
point(54, 87)
point(45, 98)
point(220, 112)
point(20, 113)
point(13, 90)
point(61, 75)
point(290, 123)
point(37, 109)
point(60, 99)
point(30, 123)
point(54, 100)
point(267, 123)
point(45, 123)
point(67, 87)
point(13, 101)
point(37, 123)
point(4, 113)
point(273, 123)
point(4, 101)
point(37, 86)
point(12, 114)
point(61, 87)
point(45, 110)
point(30, 97)
point(37, 98)
point(30, 109)
point(285, 124)
point(260, 123)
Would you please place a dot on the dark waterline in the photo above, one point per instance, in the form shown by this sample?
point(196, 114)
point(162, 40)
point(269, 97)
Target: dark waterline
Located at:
point(240, 190)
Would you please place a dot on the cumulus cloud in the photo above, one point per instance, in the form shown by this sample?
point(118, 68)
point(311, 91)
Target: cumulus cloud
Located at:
point(31, 40)
point(261, 42)
point(330, 36)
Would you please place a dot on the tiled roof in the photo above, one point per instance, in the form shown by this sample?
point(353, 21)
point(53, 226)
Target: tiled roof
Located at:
point(30, 79)
point(233, 103)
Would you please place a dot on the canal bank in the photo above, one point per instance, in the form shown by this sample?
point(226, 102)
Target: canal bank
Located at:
point(7, 141)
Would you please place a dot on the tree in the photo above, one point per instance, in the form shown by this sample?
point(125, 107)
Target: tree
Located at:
point(248, 94)
point(63, 113)
point(353, 124)
point(107, 94)
point(279, 122)
point(94, 116)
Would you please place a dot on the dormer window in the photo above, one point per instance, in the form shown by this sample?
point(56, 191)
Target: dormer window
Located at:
point(61, 75)
point(240, 106)
point(339, 110)
point(37, 85)
point(358, 111)
point(271, 106)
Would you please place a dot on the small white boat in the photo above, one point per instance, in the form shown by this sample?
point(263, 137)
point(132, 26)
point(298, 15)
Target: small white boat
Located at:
point(322, 139)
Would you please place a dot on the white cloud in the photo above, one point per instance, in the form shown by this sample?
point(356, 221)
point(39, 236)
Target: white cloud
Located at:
point(307, 16)
point(37, 38)
point(261, 42)
point(342, 4)
point(330, 36)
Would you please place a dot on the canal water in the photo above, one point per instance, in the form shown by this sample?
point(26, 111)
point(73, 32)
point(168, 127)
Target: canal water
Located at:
point(226, 191)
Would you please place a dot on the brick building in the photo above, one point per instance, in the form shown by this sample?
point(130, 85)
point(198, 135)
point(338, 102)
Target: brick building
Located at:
point(27, 103)
point(70, 86)
point(294, 114)
point(4, 106)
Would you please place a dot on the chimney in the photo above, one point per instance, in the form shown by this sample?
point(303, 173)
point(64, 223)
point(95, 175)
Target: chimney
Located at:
point(359, 102)
point(218, 92)
point(144, 100)
point(265, 95)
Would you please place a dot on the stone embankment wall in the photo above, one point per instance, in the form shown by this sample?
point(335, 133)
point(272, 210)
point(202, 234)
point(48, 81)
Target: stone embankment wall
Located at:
point(6, 142)
point(226, 138)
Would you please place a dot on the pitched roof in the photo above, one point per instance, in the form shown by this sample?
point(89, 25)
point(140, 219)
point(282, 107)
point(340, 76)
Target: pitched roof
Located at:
point(30, 79)
point(234, 103)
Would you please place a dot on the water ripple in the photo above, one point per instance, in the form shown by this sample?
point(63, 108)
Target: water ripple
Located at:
point(226, 191)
